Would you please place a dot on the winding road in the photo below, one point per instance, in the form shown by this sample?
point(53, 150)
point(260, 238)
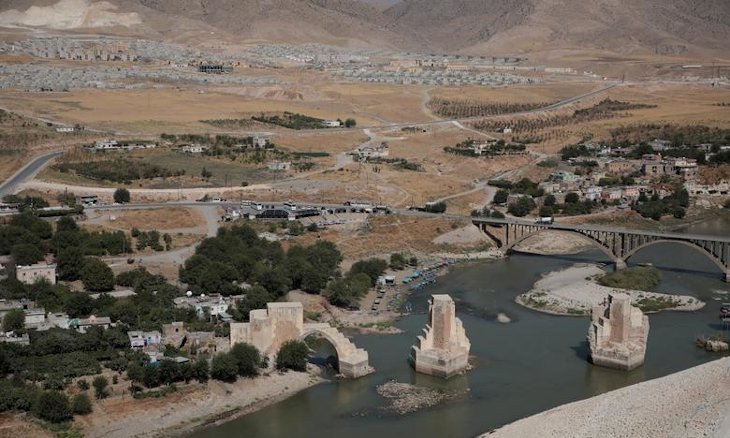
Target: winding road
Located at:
point(26, 173)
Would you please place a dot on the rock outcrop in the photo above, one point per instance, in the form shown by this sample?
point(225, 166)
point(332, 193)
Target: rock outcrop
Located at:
point(618, 333)
point(443, 349)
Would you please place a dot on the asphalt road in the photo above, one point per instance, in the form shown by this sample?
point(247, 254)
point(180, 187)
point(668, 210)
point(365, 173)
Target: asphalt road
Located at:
point(26, 173)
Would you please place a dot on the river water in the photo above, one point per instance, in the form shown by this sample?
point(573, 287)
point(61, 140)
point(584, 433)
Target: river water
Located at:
point(534, 363)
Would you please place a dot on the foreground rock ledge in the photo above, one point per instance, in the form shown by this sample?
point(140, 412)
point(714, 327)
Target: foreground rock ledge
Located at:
point(690, 403)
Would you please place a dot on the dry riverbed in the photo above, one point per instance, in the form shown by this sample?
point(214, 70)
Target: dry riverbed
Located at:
point(573, 291)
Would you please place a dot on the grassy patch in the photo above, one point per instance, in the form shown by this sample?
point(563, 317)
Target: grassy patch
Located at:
point(635, 278)
point(655, 304)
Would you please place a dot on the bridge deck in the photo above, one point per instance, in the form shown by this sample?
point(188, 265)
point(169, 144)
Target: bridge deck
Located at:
point(568, 227)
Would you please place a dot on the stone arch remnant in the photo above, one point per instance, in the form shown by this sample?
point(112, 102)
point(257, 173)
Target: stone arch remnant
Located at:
point(443, 349)
point(269, 328)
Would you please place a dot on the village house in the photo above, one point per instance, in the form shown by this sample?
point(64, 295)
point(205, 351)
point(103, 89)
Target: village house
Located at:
point(611, 194)
point(83, 324)
point(89, 200)
point(371, 151)
point(193, 148)
point(592, 193)
point(331, 123)
point(34, 317)
point(140, 339)
point(31, 273)
point(279, 166)
point(620, 166)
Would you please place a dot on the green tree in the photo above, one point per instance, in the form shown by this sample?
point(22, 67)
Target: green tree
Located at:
point(100, 384)
point(201, 370)
point(81, 404)
point(121, 195)
point(66, 223)
point(546, 211)
point(67, 198)
point(521, 207)
point(26, 253)
point(78, 305)
point(373, 268)
point(292, 355)
point(52, 406)
point(397, 261)
point(205, 173)
point(350, 123)
point(500, 197)
point(69, 262)
point(151, 376)
point(248, 359)
point(14, 320)
point(224, 367)
point(549, 201)
point(97, 276)
point(572, 198)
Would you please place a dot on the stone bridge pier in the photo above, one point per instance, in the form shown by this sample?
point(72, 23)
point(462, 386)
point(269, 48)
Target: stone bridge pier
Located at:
point(269, 328)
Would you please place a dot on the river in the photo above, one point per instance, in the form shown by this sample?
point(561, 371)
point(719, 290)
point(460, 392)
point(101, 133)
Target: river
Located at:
point(534, 363)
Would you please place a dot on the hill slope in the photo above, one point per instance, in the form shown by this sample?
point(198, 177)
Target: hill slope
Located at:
point(478, 26)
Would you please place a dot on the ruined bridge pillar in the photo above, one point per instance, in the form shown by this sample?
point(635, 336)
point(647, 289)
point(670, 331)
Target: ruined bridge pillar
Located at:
point(269, 328)
point(443, 349)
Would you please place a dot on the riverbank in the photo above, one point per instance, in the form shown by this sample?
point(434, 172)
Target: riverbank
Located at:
point(191, 407)
point(573, 291)
point(690, 403)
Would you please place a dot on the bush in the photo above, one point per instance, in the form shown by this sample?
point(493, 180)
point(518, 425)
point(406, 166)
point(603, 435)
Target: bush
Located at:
point(81, 405)
point(248, 359)
point(637, 278)
point(52, 406)
point(224, 367)
point(501, 196)
point(201, 370)
point(292, 355)
point(83, 385)
point(13, 320)
point(121, 195)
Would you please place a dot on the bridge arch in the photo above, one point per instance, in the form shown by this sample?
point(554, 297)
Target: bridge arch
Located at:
point(692, 245)
point(316, 331)
point(582, 236)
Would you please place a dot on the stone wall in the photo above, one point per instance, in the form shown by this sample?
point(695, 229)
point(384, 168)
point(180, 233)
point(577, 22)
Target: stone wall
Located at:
point(618, 333)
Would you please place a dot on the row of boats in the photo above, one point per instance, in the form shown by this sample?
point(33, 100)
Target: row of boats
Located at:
point(426, 276)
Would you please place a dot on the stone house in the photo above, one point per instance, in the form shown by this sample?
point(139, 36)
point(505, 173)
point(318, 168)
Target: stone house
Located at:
point(31, 273)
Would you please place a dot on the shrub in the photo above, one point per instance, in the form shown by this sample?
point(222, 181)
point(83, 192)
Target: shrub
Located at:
point(224, 367)
point(292, 355)
point(636, 278)
point(100, 384)
point(501, 196)
point(121, 195)
point(248, 359)
point(81, 405)
point(52, 406)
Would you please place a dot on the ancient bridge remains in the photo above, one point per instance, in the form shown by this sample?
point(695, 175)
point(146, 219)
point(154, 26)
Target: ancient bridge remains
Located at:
point(619, 244)
point(269, 328)
point(443, 348)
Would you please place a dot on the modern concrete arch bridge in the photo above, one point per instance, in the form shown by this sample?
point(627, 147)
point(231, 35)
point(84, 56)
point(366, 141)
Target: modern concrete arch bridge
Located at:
point(618, 243)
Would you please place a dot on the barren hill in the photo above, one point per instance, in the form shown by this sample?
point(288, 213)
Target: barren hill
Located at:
point(683, 27)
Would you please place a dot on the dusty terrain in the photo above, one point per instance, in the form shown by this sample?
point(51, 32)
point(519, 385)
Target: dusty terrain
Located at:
point(191, 407)
point(690, 403)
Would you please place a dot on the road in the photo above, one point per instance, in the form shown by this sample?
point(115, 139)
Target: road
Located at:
point(26, 173)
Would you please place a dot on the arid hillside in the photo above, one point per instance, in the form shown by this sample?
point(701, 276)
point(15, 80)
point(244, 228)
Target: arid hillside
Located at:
point(619, 27)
